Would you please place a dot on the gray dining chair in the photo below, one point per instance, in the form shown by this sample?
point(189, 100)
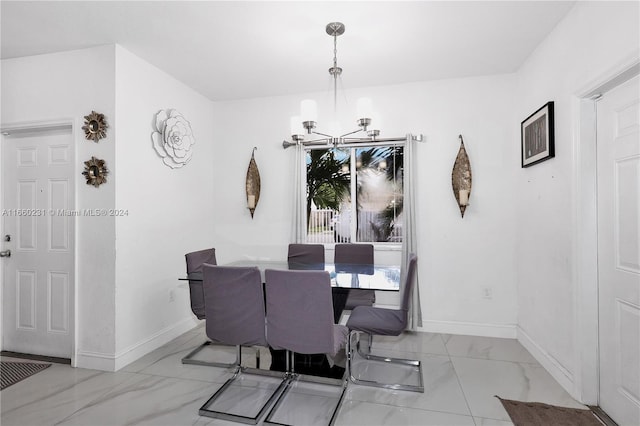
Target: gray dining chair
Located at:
point(306, 256)
point(300, 320)
point(384, 322)
point(346, 256)
point(195, 260)
point(235, 315)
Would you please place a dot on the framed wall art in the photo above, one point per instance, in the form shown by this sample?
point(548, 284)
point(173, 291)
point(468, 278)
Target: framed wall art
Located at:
point(537, 138)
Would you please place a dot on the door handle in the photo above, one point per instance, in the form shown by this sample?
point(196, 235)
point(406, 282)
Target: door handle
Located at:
point(5, 253)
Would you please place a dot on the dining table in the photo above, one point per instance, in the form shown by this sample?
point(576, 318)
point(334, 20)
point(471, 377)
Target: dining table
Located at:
point(344, 277)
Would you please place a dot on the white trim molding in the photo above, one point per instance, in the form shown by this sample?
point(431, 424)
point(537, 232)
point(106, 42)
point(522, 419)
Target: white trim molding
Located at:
point(563, 376)
point(114, 362)
point(585, 236)
point(469, 328)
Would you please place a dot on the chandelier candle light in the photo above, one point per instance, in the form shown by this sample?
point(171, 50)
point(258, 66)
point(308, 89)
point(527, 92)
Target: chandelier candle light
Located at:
point(306, 122)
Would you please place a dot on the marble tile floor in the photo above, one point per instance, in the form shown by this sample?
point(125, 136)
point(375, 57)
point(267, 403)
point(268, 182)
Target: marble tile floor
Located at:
point(461, 376)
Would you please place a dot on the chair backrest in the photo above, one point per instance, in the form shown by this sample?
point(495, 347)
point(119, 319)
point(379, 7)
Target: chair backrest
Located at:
point(354, 254)
point(195, 260)
point(409, 283)
point(354, 258)
point(306, 254)
point(299, 311)
point(234, 305)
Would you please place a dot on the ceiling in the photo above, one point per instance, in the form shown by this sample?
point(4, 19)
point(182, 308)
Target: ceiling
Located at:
point(239, 49)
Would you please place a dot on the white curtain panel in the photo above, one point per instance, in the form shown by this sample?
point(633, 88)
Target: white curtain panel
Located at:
point(299, 222)
point(409, 240)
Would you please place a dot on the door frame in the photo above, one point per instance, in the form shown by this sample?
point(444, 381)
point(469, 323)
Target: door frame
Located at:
point(44, 126)
point(585, 228)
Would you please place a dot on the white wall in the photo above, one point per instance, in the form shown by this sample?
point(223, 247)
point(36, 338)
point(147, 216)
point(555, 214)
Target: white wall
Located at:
point(458, 257)
point(593, 38)
point(70, 85)
point(127, 268)
point(170, 211)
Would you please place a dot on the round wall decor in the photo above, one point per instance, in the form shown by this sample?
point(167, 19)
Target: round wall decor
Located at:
point(95, 171)
point(95, 126)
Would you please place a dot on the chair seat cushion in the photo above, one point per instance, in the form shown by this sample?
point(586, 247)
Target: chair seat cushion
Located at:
point(360, 298)
point(380, 321)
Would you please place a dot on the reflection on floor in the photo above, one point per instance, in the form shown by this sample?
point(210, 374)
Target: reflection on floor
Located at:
point(461, 375)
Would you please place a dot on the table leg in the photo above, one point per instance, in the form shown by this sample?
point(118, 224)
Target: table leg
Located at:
point(340, 296)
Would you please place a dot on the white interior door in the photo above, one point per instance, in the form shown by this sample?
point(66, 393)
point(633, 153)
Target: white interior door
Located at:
point(38, 281)
point(618, 159)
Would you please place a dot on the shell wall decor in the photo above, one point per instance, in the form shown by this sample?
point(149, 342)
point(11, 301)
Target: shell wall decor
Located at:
point(253, 184)
point(172, 138)
point(461, 178)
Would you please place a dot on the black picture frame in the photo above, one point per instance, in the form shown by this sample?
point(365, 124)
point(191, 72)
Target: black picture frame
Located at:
point(537, 136)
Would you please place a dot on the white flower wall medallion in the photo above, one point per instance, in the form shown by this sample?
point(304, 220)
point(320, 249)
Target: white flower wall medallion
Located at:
point(172, 138)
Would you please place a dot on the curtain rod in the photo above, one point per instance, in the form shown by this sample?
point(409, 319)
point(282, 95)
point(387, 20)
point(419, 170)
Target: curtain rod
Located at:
point(326, 143)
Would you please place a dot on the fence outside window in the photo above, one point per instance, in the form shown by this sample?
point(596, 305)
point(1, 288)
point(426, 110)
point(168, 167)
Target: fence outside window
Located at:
point(328, 226)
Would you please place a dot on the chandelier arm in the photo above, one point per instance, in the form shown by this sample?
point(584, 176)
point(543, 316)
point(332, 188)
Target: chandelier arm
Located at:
point(321, 134)
point(351, 133)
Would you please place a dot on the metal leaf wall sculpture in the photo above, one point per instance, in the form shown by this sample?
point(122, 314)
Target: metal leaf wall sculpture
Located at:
point(253, 184)
point(461, 178)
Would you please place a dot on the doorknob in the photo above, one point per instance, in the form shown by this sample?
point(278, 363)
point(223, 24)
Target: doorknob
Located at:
point(5, 253)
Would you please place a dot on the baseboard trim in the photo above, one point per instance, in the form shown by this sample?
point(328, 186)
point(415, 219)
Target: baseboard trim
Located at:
point(469, 328)
point(95, 361)
point(563, 376)
point(114, 362)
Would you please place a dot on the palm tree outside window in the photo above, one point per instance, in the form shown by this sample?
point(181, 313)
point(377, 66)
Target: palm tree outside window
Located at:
point(372, 176)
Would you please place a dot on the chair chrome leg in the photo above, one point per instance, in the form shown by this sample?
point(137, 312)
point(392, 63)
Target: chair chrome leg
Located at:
point(206, 411)
point(369, 343)
point(293, 377)
point(372, 357)
point(189, 358)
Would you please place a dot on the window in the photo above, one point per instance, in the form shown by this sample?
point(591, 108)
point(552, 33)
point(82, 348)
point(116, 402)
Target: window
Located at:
point(355, 194)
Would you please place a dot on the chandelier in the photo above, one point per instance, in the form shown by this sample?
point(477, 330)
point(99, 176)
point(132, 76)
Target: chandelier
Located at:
point(306, 122)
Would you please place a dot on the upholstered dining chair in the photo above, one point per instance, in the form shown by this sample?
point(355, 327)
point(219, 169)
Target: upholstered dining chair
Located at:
point(383, 322)
point(306, 256)
point(235, 315)
point(345, 257)
point(195, 260)
point(300, 320)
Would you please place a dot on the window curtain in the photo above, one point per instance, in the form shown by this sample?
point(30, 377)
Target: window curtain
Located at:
point(299, 222)
point(409, 239)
